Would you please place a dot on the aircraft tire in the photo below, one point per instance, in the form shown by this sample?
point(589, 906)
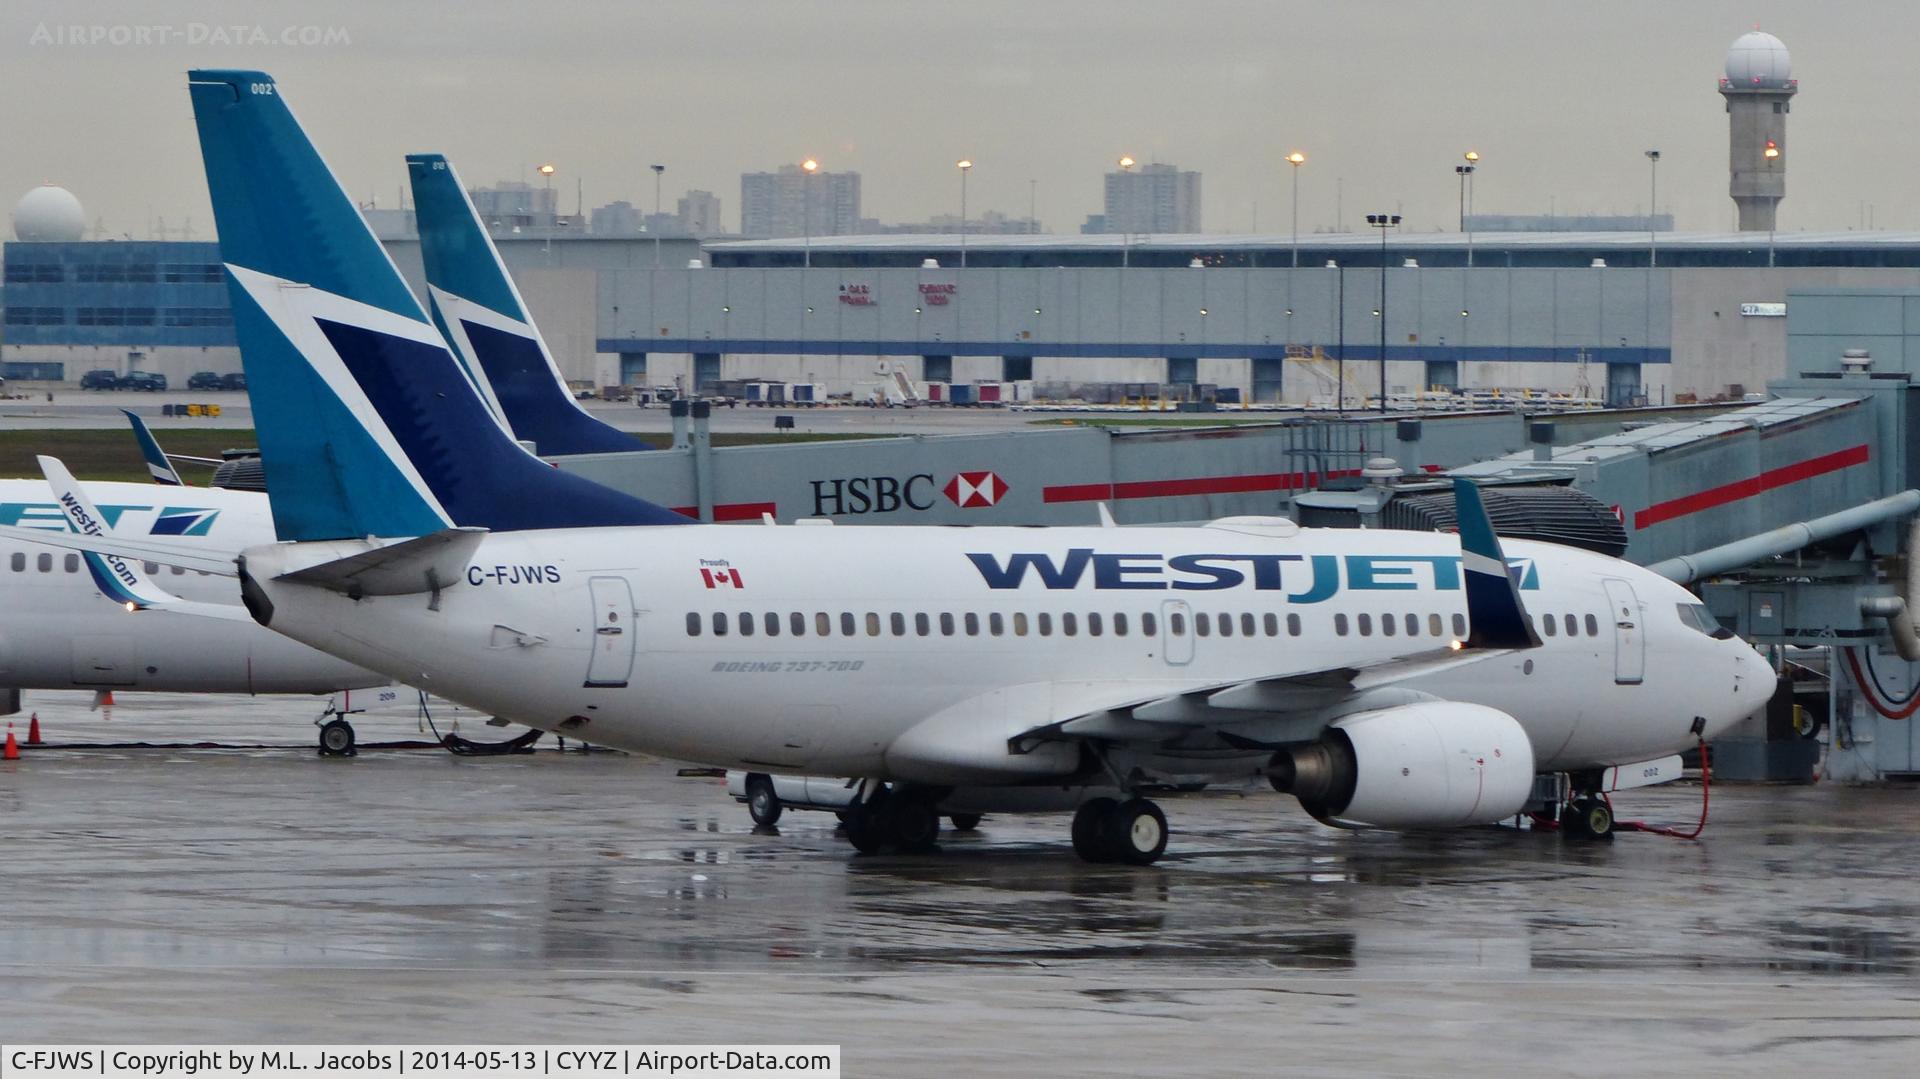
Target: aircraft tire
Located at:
point(762, 804)
point(1090, 830)
point(1136, 832)
point(1587, 817)
point(965, 822)
point(869, 823)
point(337, 740)
point(915, 824)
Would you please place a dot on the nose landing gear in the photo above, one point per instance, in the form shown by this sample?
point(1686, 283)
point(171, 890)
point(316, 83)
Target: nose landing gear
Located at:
point(1133, 832)
point(1587, 816)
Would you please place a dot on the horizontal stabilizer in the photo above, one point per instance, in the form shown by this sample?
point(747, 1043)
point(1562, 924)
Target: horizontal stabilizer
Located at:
point(186, 555)
point(422, 564)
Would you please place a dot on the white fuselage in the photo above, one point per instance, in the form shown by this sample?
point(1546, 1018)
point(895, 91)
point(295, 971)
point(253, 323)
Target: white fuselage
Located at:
point(876, 651)
point(58, 631)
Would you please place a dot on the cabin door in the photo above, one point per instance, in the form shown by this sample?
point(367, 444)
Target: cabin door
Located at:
point(613, 633)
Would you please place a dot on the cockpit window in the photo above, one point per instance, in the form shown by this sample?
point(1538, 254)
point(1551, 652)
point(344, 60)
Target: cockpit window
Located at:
point(1698, 617)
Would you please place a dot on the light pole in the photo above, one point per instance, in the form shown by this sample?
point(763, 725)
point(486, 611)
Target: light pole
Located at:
point(546, 171)
point(657, 170)
point(1296, 159)
point(965, 165)
point(808, 168)
point(1340, 359)
point(1465, 172)
point(1772, 154)
point(1383, 222)
point(1653, 207)
point(1125, 202)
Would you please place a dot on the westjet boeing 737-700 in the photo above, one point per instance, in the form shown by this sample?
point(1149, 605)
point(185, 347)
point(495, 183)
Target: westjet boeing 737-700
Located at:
point(1386, 678)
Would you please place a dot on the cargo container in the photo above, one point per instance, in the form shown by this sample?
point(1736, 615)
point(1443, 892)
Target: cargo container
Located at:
point(939, 393)
point(989, 393)
point(807, 394)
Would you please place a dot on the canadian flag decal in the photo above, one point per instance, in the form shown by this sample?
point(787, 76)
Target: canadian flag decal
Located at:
point(970, 489)
point(722, 578)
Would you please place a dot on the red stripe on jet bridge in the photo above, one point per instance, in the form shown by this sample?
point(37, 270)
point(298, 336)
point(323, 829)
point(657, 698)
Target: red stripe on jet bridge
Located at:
point(1747, 488)
point(734, 511)
point(1202, 485)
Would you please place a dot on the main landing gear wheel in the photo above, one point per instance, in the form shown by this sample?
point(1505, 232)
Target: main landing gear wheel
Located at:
point(762, 804)
point(906, 821)
point(1133, 832)
point(1089, 830)
point(336, 739)
point(965, 822)
point(1587, 817)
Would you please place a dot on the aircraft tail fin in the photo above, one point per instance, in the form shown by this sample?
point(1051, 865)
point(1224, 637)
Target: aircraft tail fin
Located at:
point(1495, 616)
point(367, 425)
point(474, 302)
point(158, 466)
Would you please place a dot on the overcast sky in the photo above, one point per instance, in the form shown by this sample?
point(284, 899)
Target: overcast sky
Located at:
point(1559, 98)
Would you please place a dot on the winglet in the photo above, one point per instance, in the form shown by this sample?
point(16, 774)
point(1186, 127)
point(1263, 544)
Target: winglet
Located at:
point(158, 466)
point(119, 579)
point(1495, 616)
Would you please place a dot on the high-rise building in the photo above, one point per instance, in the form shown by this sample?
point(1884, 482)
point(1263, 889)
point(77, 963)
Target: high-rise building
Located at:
point(512, 204)
point(1153, 198)
point(1759, 88)
point(700, 214)
point(615, 219)
point(789, 202)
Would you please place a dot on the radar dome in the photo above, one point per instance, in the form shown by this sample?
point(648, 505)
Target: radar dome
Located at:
point(48, 213)
point(1758, 58)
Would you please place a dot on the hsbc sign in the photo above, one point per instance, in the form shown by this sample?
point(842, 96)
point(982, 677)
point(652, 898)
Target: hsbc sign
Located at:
point(859, 495)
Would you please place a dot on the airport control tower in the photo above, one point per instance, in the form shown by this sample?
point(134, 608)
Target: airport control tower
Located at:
point(1759, 89)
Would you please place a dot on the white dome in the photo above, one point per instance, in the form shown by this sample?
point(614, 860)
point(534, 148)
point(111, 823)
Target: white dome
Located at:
point(1758, 58)
point(48, 213)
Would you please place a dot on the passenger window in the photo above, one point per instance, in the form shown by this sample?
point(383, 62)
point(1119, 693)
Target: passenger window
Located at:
point(846, 624)
point(873, 624)
point(1340, 625)
point(1366, 624)
point(1046, 625)
point(1020, 624)
point(1387, 625)
point(797, 624)
point(693, 624)
point(19, 561)
point(1246, 625)
point(1433, 625)
point(180, 571)
point(1293, 625)
point(746, 624)
point(1546, 624)
point(923, 625)
point(1149, 625)
point(1069, 624)
point(773, 624)
point(152, 568)
point(45, 563)
point(1593, 626)
point(72, 563)
point(1226, 625)
point(1176, 624)
point(1119, 624)
point(972, 622)
point(1270, 623)
point(1573, 628)
point(898, 623)
point(946, 625)
point(1413, 625)
point(719, 624)
point(1202, 625)
point(1460, 626)
point(996, 624)
point(823, 624)
point(1093, 624)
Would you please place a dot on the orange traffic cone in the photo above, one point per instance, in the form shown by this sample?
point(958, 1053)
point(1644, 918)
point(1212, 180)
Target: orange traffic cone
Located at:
point(106, 699)
point(33, 730)
point(13, 748)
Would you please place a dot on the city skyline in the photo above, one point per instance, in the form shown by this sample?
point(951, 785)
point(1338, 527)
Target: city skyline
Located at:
point(1381, 100)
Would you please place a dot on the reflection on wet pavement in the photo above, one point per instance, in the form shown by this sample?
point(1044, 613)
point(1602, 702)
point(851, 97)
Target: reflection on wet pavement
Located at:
point(173, 894)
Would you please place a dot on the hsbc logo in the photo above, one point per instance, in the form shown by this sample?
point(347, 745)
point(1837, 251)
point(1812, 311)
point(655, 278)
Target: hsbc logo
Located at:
point(857, 496)
point(970, 490)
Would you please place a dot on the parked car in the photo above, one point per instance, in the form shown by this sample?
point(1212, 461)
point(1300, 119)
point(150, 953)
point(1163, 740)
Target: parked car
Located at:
point(203, 380)
point(99, 379)
point(150, 381)
point(233, 380)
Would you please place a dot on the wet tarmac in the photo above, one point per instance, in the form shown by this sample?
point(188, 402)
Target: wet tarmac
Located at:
point(264, 894)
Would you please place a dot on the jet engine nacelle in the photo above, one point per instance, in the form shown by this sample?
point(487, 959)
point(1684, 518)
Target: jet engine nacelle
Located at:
point(1435, 764)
